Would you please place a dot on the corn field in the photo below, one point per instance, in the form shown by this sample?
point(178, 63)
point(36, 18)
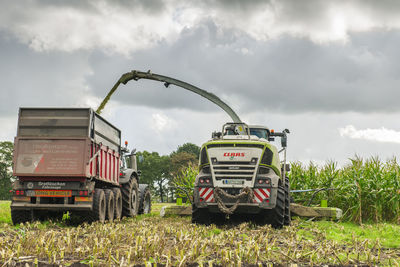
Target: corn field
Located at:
point(176, 242)
point(366, 190)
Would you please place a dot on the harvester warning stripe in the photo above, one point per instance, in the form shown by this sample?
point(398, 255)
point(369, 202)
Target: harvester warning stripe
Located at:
point(260, 194)
point(207, 194)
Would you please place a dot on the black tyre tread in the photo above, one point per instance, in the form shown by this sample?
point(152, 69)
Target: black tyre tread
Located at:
point(126, 190)
point(287, 218)
point(118, 203)
point(144, 197)
point(110, 204)
point(21, 216)
point(200, 215)
point(98, 213)
point(278, 213)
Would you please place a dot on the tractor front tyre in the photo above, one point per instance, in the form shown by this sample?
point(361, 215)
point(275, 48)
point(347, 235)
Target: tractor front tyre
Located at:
point(145, 199)
point(118, 203)
point(21, 216)
point(200, 215)
point(277, 217)
point(98, 213)
point(287, 217)
point(110, 204)
point(130, 200)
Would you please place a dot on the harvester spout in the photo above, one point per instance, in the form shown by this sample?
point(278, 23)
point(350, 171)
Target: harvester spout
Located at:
point(137, 75)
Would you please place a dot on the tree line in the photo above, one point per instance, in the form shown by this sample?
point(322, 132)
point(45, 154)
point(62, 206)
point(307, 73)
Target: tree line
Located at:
point(156, 170)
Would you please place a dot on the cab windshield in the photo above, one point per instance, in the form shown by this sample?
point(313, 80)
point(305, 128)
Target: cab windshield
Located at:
point(260, 133)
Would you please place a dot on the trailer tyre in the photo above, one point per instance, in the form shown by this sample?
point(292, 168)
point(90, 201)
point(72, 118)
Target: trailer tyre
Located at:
point(98, 212)
point(200, 215)
point(130, 200)
point(110, 204)
point(145, 199)
point(118, 203)
point(21, 216)
point(287, 217)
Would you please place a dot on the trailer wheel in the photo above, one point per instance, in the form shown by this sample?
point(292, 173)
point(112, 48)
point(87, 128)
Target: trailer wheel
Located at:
point(277, 214)
point(130, 200)
point(118, 203)
point(21, 216)
point(200, 215)
point(287, 216)
point(98, 213)
point(145, 199)
point(110, 204)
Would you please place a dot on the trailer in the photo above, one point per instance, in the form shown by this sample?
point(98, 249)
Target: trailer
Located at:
point(71, 159)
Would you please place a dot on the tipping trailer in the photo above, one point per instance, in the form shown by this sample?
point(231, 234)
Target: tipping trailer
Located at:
point(71, 159)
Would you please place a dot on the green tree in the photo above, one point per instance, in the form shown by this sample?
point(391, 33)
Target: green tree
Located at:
point(155, 170)
point(189, 148)
point(6, 177)
point(180, 161)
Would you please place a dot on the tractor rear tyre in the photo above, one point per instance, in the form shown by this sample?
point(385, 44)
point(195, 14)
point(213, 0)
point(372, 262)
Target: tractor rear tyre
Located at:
point(200, 215)
point(287, 219)
point(98, 213)
point(118, 203)
point(110, 204)
point(277, 217)
point(130, 199)
point(145, 199)
point(21, 216)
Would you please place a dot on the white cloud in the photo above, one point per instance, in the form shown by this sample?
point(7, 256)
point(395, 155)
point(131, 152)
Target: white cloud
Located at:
point(378, 135)
point(161, 122)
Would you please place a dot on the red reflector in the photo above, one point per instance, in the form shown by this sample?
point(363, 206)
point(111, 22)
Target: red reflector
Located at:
point(21, 192)
point(121, 174)
point(80, 193)
point(17, 192)
point(85, 193)
point(201, 181)
point(208, 181)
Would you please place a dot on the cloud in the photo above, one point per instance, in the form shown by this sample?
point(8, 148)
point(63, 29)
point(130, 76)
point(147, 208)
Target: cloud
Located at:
point(379, 135)
point(287, 75)
point(128, 26)
point(29, 78)
point(161, 123)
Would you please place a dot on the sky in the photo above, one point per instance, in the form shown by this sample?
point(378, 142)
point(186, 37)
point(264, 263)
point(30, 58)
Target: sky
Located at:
point(326, 70)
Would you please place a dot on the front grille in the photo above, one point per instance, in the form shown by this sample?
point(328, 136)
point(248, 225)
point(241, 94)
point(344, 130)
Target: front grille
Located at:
point(234, 170)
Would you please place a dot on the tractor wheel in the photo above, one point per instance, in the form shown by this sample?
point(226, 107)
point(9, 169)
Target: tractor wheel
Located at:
point(110, 204)
point(145, 199)
point(277, 217)
point(200, 215)
point(118, 203)
point(130, 199)
point(287, 219)
point(21, 216)
point(98, 213)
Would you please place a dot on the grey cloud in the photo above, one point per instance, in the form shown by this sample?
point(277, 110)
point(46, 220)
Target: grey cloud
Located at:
point(29, 78)
point(288, 74)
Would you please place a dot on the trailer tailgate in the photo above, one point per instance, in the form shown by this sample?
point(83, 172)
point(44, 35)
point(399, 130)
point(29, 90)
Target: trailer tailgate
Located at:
point(51, 156)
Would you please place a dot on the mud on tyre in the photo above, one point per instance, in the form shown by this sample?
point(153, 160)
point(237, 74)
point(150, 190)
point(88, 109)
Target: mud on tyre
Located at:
point(130, 198)
point(144, 199)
